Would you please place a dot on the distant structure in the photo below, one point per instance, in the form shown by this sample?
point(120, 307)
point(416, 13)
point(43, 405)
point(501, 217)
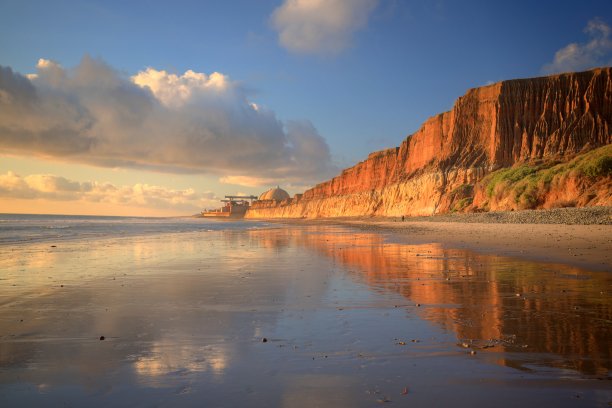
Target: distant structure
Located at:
point(273, 198)
point(276, 194)
point(235, 207)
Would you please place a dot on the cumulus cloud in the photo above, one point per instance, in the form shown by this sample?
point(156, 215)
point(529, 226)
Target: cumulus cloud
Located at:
point(193, 122)
point(177, 90)
point(320, 26)
point(247, 181)
point(575, 57)
point(52, 187)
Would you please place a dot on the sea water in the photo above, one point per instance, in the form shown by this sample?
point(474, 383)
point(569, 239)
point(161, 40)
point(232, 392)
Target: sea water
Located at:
point(24, 228)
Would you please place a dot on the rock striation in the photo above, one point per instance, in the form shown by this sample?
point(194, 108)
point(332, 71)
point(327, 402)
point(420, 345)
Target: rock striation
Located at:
point(449, 164)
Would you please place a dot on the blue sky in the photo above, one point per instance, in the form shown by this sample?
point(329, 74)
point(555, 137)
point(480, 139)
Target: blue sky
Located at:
point(372, 72)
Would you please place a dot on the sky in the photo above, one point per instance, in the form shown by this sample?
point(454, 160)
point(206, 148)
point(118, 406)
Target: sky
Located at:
point(162, 108)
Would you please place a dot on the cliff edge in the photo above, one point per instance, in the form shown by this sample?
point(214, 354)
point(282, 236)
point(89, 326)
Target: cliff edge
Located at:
point(517, 144)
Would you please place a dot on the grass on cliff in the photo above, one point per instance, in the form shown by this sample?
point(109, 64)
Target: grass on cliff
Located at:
point(527, 183)
point(461, 197)
point(462, 204)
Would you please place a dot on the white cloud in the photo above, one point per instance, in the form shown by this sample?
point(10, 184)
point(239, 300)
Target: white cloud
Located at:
point(576, 57)
point(46, 64)
point(45, 183)
point(248, 181)
point(320, 26)
point(193, 122)
point(52, 187)
point(175, 91)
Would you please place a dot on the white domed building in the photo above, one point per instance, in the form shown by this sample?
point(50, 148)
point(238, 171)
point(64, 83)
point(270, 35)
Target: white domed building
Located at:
point(272, 198)
point(274, 194)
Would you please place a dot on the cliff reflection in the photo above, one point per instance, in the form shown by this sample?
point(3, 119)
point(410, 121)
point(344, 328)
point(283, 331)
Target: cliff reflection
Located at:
point(530, 313)
point(185, 316)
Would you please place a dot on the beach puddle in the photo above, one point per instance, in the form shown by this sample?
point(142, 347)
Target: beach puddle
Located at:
point(297, 316)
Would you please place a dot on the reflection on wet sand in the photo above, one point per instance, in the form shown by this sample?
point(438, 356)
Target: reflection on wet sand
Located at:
point(306, 391)
point(166, 357)
point(183, 317)
point(538, 314)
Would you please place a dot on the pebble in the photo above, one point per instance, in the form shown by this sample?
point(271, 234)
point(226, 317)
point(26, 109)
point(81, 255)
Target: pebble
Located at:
point(599, 215)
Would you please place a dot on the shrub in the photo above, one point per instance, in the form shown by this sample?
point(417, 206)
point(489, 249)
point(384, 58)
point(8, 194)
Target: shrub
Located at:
point(527, 182)
point(464, 202)
point(529, 198)
point(463, 190)
point(508, 176)
point(597, 167)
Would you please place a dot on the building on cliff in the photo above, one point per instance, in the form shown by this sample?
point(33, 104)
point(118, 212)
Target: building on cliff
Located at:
point(273, 198)
point(276, 194)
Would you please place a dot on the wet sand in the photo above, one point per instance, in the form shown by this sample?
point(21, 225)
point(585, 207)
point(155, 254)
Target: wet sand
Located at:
point(587, 246)
point(298, 316)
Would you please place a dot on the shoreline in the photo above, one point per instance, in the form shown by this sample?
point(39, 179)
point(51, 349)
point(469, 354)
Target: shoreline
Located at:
point(513, 234)
point(249, 312)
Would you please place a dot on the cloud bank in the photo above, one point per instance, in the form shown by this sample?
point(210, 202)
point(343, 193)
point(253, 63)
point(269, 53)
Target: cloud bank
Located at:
point(51, 187)
point(320, 26)
point(193, 122)
point(577, 57)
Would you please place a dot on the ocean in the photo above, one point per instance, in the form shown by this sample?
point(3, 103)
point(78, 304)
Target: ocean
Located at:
point(30, 228)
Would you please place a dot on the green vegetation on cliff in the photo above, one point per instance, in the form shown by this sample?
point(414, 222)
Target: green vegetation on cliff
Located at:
point(527, 183)
point(461, 197)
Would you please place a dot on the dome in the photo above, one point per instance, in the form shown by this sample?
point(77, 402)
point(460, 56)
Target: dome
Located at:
point(277, 194)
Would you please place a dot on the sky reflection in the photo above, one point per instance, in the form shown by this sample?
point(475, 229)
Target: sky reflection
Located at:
point(346, 313)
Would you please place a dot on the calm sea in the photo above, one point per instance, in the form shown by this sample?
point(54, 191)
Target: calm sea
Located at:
point(25, 228)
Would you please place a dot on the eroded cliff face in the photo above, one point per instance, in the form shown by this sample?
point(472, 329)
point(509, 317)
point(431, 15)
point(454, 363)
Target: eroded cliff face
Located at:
point(441, 167)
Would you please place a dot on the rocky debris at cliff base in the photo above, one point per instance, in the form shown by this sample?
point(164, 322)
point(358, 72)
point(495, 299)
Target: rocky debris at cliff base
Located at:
point(600, 215)
point(572, 216)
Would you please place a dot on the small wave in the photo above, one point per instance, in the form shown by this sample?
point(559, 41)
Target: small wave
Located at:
point(36, 228)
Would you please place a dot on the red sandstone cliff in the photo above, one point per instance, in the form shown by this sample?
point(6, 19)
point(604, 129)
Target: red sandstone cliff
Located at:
point(543, 122)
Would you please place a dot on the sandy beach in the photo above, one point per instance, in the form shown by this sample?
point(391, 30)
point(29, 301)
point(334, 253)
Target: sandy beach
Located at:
point(588, 246)
point(507, 234)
